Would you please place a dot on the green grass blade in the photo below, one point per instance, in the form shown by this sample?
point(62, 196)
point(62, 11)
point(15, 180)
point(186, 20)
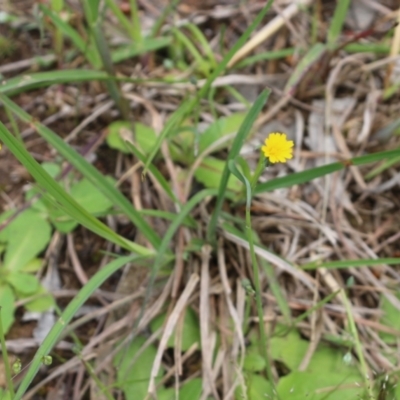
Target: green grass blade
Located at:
point(41, 79)
point(187, 107)
point(69, 205)
point(306, 176)
point(377, 48)
point(309, 59)
point(268, 55)
point(87, 170)
point(205, 45)
point(162, 250)
point(116, 10)
point(93, 17)
point(338, 19)
point(177, 223)
point(154, 171)
point(285, 330)
point(237, 144)
point(74, 36)
point(202, 64)
point(350, 263)
point(134, 49)
point(54, 335)
point(382, 167)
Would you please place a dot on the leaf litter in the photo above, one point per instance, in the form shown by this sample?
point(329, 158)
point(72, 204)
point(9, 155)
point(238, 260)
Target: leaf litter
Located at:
point(339, 217)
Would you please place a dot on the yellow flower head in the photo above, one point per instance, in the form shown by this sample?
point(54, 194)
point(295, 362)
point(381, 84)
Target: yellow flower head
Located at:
point(277, 148)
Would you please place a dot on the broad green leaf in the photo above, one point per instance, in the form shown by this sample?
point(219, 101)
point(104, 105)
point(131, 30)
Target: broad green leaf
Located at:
point(221, 127)
point(116, 130)
point(190, 330)
point(254, 361)
point(289, 349)
point(27, 236)
point(257, 388)
point(53, 170)
point(42, 301)
point(89, 197)
point(120, 131)
point(23, 283)
point(133, 378)
point(62, 222)
point(320, 386)
point(210, 172)
point(166, 393)
point(7, 300)
point(191, 389)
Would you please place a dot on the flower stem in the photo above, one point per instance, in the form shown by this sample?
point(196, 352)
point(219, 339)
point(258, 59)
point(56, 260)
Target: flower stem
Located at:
point(257, 284)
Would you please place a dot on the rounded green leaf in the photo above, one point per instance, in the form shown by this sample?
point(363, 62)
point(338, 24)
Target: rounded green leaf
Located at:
point(254, 362)
point(26, 236)
point(190, 333)
point(320, 386)
point(256, 388)
point(133, 378)
point(23, 283)
point(42, 301)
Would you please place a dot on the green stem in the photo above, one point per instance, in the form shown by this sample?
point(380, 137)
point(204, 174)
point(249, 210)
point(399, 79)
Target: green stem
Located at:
point(113, 6)
point(359, 351)
point(136, 28)
point(257, 285)
point(262, 164)
point(158, 24)
point(6, 359)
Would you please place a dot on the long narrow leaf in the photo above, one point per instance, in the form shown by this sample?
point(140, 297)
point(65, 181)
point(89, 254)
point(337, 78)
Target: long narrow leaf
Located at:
point(234, 152)
point(338, 19)
point(56, 331)
point(350, 263)
point(75, 37)
point(187, 107)
point(75, 210)
point(40, 79)
point(89, 171)
point(307, 176)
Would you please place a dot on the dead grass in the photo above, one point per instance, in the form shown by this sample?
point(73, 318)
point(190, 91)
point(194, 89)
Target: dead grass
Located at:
point(331, 116)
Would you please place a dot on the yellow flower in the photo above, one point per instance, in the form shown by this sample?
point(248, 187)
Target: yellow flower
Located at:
point(277, 148)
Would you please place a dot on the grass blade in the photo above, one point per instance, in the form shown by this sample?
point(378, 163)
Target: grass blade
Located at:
point(69, 205)
point(351, 263)
point(51, 339)
point(87, 170)
point(234, 152)
point(337, 21)
point(307, 176)
point(74, 36)
point(187, 107)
